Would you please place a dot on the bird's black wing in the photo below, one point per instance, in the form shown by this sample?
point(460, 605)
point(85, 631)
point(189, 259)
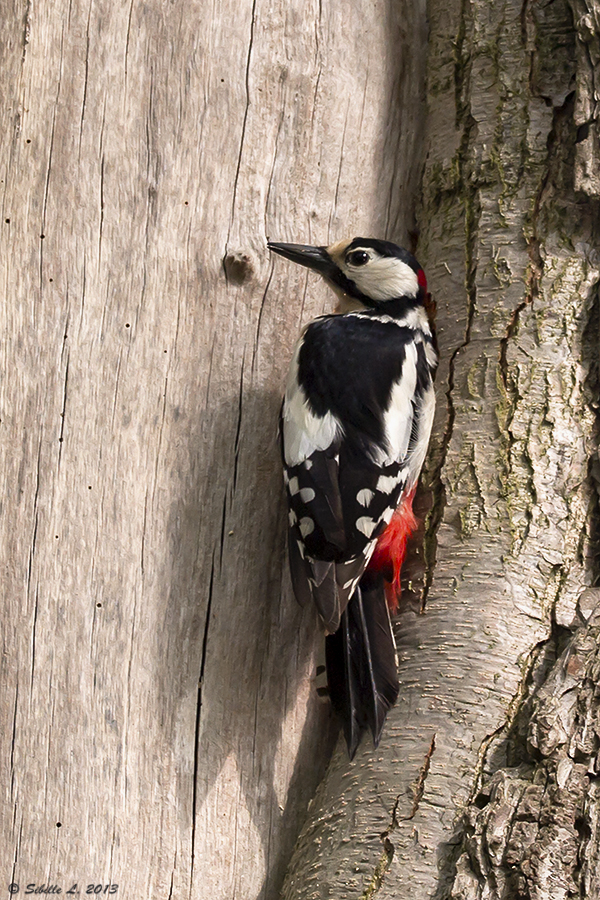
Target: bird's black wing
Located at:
point(346, 428)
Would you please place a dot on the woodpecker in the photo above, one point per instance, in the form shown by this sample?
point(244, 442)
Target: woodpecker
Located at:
point(355, 424)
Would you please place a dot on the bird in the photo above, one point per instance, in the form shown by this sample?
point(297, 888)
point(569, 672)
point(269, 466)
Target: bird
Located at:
point(355, 424)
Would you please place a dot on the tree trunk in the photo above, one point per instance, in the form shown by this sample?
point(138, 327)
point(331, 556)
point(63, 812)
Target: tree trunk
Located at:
point(160, 727)
point(485, 782)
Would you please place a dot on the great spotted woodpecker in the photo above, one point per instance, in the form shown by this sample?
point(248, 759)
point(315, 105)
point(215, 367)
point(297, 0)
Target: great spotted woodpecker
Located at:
point(356, 421)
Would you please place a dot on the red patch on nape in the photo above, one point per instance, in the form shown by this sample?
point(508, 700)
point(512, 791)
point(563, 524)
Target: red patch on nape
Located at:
point(422, 279)
point(390, 549)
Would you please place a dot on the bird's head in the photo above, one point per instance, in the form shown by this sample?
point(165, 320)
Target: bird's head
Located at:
point(371, 272)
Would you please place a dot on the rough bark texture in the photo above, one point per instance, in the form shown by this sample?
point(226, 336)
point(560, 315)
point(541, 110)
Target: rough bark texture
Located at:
point(532, 828)
point(586, 16)
point(510, 248)
point(159, 722)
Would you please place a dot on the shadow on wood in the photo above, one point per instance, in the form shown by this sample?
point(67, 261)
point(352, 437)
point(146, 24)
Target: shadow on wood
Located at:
point(248, 657)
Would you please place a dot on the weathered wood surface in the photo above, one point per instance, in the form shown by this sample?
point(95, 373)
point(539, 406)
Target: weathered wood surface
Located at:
point(511, 252)
point(531, 828)
point(156, 676)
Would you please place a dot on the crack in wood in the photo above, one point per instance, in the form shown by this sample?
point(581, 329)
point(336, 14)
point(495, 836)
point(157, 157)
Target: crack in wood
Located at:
point(336, 195)
point(203, 657)
point(85, 81)
point(236, 443)
point(12, 750)
point(381, 869)
point(222, 539)
point(143, 539)
point(472, 213)
point(63, 410)
point(17, 851)
point(259, 321)
point(26, 29)
point(127, 41)
point(387, 855)
point(33, 636)
point(419, 785)
point(101, 199)
point(536, 267)
point(244, 123)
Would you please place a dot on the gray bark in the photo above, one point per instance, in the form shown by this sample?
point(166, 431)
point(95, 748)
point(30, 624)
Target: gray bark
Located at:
point(531, 829)
point(159, 724)
point(484, 784)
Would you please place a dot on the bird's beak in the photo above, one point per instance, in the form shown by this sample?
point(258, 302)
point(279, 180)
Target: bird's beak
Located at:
point(315, 258)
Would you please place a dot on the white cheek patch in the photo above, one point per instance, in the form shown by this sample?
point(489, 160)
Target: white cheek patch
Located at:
point(384, 278)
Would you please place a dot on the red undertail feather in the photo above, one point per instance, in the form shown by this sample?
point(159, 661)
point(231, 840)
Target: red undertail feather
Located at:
point(391, 548)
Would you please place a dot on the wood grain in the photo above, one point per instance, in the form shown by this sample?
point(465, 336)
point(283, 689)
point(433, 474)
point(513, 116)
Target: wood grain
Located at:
point(157, 679)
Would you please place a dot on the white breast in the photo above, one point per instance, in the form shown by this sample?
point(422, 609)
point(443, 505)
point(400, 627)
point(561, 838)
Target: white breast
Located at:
point(303, 431)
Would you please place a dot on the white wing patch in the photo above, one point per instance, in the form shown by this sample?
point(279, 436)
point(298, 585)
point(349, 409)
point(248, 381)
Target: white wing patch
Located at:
point(303, 432)
point(307, 526)
point(365, 496)
point(387, 483)
point(307, 494)
point(398, 417)
point(387, 516)
point(366, 525)
point(425, 413)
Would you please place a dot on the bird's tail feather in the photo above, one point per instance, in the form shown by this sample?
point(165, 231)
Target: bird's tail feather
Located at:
point(361, 663)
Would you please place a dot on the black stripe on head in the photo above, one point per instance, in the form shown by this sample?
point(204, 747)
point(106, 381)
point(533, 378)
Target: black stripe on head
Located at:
point(337, 279)
point(385, 248)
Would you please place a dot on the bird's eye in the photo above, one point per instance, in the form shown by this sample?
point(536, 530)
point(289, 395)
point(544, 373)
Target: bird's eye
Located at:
point(358, 258)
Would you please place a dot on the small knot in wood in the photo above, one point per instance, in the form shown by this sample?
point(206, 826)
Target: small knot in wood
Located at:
point(238, 267)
